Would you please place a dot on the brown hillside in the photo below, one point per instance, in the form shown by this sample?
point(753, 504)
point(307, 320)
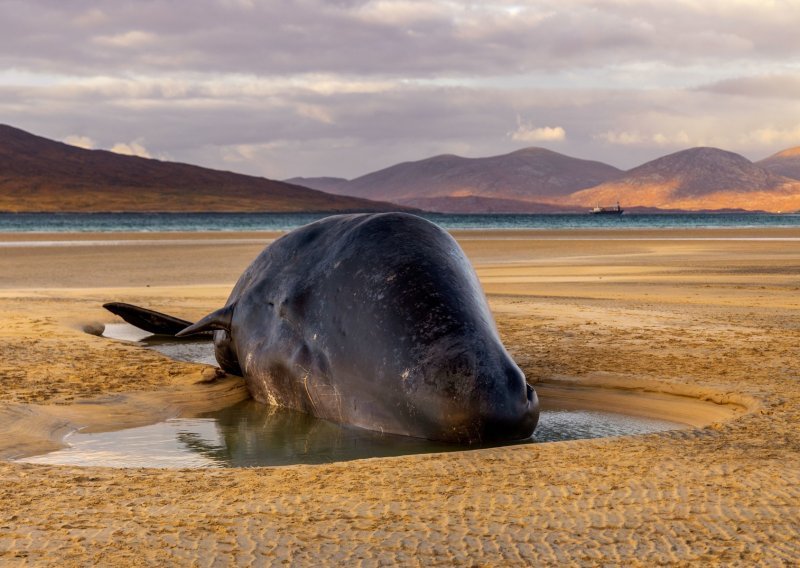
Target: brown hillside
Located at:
point(38, 174)
point(326, 184)
point(475, 204)
point(785, 163)
point(531, 174)
point(695, 179)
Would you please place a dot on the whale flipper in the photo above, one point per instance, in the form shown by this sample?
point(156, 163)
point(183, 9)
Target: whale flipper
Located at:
point(220, 319)
point(148, 320)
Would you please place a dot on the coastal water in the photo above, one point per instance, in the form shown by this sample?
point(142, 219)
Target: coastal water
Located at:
point(168, 222)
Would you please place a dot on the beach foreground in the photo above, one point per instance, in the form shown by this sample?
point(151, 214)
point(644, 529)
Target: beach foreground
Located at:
point(709, 314)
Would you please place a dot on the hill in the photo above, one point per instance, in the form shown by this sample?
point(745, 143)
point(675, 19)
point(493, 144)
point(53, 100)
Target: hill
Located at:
point(38, 174)
point(530, 174)
point(695, 179)
point(326, 184)
point(477, 204)
point(785, 163)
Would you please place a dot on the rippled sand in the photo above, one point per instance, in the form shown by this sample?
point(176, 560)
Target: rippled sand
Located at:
point(713, 319)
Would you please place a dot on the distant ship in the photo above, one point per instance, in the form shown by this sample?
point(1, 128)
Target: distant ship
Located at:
point(617, 210)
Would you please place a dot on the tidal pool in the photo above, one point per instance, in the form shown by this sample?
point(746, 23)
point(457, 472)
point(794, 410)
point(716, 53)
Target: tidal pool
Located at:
point(250, 434)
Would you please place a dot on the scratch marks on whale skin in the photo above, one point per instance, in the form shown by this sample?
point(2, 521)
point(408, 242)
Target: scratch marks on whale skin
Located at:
point(310, 397)
point(249, 366)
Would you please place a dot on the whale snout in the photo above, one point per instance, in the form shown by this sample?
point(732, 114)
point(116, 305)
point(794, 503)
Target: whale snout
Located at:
point(496, 405)
point(516, 421)
point(511, 415)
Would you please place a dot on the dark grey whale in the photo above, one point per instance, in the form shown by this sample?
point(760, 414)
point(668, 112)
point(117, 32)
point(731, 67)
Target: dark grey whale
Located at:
point(372, 320)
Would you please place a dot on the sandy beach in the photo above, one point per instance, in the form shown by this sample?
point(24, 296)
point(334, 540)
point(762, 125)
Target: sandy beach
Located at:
point(709, 315)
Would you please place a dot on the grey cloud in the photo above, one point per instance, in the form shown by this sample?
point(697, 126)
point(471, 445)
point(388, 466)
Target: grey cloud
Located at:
point(765, 87)
point(342, 88)
point(275, 136)
point(285, 37)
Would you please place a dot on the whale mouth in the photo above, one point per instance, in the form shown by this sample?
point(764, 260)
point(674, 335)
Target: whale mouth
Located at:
point(532, 409)
point(504, 425)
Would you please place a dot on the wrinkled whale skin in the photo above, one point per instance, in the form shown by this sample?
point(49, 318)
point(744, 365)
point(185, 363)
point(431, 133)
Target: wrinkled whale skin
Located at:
point(378, 321)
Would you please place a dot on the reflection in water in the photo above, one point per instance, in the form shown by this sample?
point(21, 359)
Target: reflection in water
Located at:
point(186, 350)
point(250, 434)
point(192, 350)
point(255, 434)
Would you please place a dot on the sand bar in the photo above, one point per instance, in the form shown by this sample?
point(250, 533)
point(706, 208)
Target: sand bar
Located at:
point(704, 318)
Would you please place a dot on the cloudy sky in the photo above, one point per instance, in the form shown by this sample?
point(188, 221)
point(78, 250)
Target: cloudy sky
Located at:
point(342, 87)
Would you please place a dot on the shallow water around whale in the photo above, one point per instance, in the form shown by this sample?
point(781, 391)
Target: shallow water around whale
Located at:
point(250, 434)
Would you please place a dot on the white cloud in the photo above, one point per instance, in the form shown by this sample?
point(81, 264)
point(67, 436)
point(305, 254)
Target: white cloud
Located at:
point(622, 138)
point(527, 132)
point(771, 136)
point(634, 137)
point(244, 153)
point(245, 4)
point(135, 148)
point(314, 112)
point(80, 141)
point(131, 39)
point(402, 12)
point(331, 84)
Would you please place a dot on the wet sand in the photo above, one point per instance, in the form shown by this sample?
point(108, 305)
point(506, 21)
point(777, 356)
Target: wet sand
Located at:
point(703, 314)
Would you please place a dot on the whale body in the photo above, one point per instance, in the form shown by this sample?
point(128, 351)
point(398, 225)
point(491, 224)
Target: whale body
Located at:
point(376, 321)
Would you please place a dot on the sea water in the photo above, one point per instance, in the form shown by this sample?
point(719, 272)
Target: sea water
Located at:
point(168, 222)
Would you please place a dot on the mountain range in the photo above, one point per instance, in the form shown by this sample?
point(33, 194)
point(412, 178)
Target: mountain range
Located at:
point(518, 175)
point(38, 174)
point(785, 163)
point(697, 179)
point(535, 180)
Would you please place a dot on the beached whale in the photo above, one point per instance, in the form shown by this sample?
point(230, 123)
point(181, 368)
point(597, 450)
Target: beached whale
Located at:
point(372, 320)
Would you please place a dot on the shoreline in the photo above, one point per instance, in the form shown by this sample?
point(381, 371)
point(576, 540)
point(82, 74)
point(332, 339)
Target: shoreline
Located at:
point(713, 317)
point(789, 230)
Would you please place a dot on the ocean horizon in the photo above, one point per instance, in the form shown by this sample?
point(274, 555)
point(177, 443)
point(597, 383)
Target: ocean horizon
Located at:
point(232, 222)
